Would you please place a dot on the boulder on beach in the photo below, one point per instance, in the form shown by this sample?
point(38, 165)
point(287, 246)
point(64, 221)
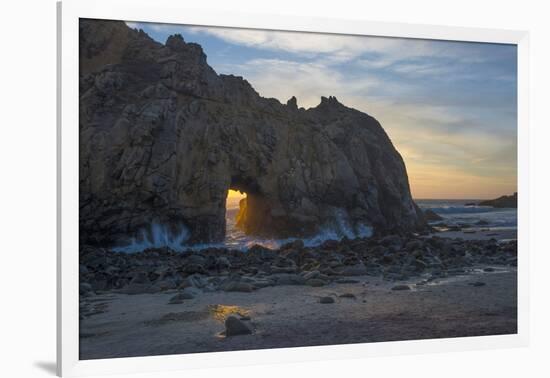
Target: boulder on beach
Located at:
point(163, 137)
point(234, 327)
point(326, 300)
point(185, 294)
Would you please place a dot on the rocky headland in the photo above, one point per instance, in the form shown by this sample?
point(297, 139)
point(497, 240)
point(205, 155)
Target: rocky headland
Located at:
point(502, 202)
point(163, 137)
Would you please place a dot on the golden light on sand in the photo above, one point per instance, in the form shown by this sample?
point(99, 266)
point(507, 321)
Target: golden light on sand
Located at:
point(221, 312)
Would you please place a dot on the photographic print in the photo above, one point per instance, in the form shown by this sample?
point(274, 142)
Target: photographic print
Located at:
point(249, 189)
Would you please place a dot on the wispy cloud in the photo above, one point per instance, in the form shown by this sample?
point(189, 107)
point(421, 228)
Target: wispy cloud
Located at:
point(307, 81)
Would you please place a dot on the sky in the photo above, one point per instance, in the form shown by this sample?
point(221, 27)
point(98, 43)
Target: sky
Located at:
point(450, 108)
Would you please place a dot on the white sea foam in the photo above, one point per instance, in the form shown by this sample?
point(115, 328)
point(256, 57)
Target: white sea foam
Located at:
point(157, 236)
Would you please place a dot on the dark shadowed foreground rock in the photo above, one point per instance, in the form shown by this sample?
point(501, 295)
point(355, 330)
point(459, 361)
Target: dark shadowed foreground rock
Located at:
point(235, 327)
point(163, 138)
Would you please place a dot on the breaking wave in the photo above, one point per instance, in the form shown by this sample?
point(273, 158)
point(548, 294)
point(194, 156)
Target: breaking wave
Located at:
point(158, 236)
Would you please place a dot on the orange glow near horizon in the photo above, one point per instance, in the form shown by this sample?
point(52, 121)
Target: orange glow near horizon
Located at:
point(235, 194)
point(234, 198)
point(431, 182)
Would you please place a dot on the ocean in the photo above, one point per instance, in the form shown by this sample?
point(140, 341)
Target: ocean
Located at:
point(457, 212)
point(453, 212)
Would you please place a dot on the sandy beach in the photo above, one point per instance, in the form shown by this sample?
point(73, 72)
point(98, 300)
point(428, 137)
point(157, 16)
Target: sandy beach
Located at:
point(471, 296)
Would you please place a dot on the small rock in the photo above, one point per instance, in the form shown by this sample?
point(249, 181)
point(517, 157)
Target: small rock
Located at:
point(288, 279)
point(346, 281)
point(311, 275)
point(243, 287)
point(85, 287)
point(354, 270)
point(315, 282)
point(348, 295)
point(489, 269)
point(326, 300)
point(477, 284)
point(223, 263)
point(401, 287)
point(235, 327)
point(413, 244)
point(194, 268)
point(188, 293)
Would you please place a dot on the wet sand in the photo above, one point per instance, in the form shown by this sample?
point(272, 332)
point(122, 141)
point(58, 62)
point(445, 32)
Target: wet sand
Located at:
point(291, 316)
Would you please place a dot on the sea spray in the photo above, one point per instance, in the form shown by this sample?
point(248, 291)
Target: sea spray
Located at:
point(159, 236)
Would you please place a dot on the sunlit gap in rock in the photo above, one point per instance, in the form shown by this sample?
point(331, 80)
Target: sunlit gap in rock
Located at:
point(235, 210)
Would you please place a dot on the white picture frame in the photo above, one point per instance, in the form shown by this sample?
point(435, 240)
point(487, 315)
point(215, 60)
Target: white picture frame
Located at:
point(166, 11)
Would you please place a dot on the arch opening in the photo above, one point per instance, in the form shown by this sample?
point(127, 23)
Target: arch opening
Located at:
point(247, 212)
point(235, 212)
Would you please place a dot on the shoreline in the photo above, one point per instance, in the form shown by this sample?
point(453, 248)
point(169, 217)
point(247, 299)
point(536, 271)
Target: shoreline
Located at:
point(287, 316)
point(378, 289)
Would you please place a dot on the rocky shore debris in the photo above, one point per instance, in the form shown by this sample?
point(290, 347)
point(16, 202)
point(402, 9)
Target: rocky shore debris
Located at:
point(394, 258)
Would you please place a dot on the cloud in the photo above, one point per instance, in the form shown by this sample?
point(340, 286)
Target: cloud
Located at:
point(448, 107)
point(338, 48)
point(308, 81)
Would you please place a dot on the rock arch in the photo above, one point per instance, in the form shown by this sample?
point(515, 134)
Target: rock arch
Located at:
point(163, 137)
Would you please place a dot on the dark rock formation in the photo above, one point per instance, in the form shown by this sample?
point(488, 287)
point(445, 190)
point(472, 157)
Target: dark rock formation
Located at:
point(432, 216)
point(502, 202)
point(163, 137)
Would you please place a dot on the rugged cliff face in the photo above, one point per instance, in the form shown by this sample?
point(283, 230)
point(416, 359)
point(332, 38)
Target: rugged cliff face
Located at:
point(163, 137)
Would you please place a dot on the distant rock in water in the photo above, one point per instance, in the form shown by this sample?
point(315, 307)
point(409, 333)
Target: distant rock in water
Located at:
point(163, 137)
point(502, 202)
point(432, 216)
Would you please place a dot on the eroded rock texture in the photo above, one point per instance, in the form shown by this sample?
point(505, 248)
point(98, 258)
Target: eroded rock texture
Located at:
point(163, 137)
